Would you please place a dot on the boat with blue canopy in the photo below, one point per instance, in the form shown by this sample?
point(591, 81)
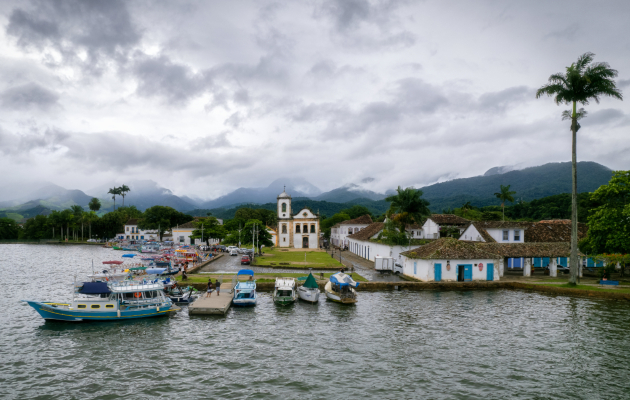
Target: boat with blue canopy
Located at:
point(109, 301)
point(245, 291)
point(340, 288)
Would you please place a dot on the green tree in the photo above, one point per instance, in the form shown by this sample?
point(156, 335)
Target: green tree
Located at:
point(90, 218)
point(583, 81)
point(114, 192)
point(505, 195)
point(94, 204)
point(162, 218)
point(609, 225)
point(408, 207)
point(357, 211)
point(208, 228)
point(8, 229)
point(123, 190)
point(328, 223)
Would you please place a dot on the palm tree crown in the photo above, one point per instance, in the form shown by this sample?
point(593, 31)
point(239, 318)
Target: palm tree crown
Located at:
point(409, 206)
point(505, 195)
point(123, 192)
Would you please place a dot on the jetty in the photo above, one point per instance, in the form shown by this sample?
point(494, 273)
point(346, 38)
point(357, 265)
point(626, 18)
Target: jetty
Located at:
point(217, 305)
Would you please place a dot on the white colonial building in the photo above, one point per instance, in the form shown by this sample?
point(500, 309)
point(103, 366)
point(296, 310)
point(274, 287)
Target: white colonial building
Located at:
point(183, 232)
point(340, 232)
point(298, 231)
point(132, 232)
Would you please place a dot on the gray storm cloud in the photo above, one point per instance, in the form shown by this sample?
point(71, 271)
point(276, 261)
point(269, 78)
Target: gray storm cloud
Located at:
point(236, 94)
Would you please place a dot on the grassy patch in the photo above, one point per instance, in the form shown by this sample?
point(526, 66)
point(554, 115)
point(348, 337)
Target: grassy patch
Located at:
point(297, 259)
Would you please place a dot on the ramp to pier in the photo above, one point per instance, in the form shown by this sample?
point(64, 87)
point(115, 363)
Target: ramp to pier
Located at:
point(213, 304)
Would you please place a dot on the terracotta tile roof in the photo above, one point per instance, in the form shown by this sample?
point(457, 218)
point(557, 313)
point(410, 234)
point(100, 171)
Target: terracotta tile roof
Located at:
point(553, 232)
point(556, 221)
point(502, 224)
point(362, 220)
point(511, 250)
point(451, 249)
point(367, 232)
point(448, 219)
point(132, 221)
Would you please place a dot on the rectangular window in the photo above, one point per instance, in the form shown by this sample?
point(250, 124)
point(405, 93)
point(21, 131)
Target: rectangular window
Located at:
point(517, 236)
point(181, 239)
point(305, 230)
point(506, 235)
point(313, 228)
point(297, 229)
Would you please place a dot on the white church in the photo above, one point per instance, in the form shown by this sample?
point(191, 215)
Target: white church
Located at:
point(299, 231)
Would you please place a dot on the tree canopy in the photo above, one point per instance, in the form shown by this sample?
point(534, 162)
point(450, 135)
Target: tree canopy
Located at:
point(408, 207)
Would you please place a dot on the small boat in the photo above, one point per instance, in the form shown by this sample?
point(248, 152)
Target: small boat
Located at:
point(129, 255)
point(180, 295)
point(106, 276)
point(112, 262)
point(309, 291)
point(109, 301)
point(284, 292)
point(340, 288)
point(116, 248)
point(245, 292)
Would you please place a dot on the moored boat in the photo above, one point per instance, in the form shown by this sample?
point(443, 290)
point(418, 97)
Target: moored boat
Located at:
point(284, 291)
point(245, 292)
point(309, 291)
point(110, 301)
point(340, 288)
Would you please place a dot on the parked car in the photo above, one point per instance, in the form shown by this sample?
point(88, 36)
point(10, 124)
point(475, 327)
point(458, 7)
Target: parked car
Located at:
point(245, 260)
point(92, 240)
point(234, 252)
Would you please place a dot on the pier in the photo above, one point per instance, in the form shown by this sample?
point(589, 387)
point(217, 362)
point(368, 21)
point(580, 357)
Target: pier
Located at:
point(217, 305)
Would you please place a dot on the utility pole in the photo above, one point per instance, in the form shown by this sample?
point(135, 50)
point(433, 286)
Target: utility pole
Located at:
point(202, 233)
point(239, 236)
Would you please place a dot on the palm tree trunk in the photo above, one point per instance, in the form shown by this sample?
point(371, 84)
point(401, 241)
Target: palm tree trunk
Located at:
point(123, 196)
point(573, 262)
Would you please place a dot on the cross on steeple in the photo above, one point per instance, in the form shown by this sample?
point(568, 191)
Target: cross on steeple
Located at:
point(285, 188)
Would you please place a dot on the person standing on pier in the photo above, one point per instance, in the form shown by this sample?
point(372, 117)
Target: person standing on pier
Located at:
point(218, 285)
point(209, 289)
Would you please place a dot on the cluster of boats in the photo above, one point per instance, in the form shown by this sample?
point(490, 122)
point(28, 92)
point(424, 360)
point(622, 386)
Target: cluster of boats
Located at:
point(340, 288)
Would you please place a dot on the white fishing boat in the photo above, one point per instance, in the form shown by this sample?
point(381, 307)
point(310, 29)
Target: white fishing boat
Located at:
point(309, 291)
point(340, 288)
point(245, 292)
point(284, 291)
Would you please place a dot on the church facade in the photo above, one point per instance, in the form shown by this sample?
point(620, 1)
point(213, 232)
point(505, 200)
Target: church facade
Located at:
point(299, 231)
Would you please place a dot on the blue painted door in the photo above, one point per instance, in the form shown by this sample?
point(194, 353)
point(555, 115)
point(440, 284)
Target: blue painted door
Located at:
point(468, 272)
point(562, 261)
point(437, 271)
point(415, 268)
point(538, 262)
point(490, 273)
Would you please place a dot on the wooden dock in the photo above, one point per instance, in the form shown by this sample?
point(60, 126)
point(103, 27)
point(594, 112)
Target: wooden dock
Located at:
point(213, 304)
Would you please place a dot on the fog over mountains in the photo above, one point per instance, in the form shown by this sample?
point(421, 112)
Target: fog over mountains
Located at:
point(529, 183)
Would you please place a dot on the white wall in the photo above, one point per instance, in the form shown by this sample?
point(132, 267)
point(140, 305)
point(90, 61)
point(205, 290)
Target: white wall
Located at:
point(430, 229)
point(360, 248)
point(472, 234)
point(497, 234)
point(425, 269)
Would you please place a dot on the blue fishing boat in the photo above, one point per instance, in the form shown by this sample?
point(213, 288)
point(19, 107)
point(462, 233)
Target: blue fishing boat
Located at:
point(245, 291)
point(110, 301)
point(129, 255)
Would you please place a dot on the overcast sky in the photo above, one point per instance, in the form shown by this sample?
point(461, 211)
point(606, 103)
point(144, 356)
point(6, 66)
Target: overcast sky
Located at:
point(205, 97)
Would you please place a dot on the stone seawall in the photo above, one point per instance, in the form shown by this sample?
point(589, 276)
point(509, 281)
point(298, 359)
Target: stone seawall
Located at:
point(203, 264)
point(449, 286)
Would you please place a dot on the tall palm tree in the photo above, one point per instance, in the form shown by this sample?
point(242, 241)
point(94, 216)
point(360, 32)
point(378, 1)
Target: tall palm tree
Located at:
point(94, 204)
point(114, 192)
point(409, 206)
point(505, 195)
point(582, 82)
point(123, 192)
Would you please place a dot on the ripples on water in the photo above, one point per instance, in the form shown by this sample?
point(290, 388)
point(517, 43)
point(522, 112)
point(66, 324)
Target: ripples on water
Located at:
point(441, 345)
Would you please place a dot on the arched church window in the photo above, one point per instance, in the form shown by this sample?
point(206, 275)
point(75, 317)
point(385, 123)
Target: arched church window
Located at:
point(284, 207)
point(284, 228)
point(297, 228)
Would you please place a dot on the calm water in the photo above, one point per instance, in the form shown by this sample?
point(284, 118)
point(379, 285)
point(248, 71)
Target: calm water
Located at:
point(439, 345)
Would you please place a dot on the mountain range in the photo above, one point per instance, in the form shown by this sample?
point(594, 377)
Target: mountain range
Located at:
point(529, 183)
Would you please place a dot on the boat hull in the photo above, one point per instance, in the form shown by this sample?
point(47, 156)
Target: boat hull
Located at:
point(50, 312)
point(333, 296)
point(285, 300)
point(244, 302)
point(308, 295)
